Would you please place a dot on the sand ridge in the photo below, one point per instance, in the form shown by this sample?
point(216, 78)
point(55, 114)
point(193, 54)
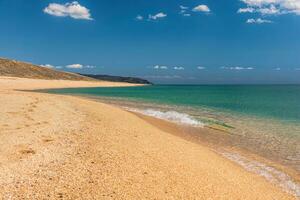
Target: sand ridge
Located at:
point(62, 147)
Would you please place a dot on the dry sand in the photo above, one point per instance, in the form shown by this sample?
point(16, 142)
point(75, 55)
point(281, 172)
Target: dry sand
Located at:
point(63, 147)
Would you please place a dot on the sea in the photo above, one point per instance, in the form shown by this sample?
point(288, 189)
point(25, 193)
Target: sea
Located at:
point(247, 120)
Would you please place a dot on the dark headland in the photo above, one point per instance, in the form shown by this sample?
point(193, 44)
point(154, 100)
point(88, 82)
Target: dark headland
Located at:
point(118, 78)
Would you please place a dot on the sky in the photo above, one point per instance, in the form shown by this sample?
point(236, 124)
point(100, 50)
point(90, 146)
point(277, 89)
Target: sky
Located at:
point(171, 41)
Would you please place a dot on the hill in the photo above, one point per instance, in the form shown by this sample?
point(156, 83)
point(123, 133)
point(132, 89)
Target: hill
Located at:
point(26, 70)
point(117, 78)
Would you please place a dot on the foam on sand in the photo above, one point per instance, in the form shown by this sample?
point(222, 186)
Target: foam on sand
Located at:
point(172, 116)
point(270, 173)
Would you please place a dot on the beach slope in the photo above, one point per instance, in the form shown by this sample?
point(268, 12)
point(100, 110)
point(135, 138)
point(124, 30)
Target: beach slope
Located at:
point(64, 147)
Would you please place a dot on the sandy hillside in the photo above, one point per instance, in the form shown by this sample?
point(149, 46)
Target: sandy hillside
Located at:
point(13, 68)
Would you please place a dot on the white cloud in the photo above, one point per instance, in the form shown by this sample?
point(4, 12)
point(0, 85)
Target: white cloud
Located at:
point(72, 66)
point(73, 10)
point(201, 68)
point(272, 10)
point(237, 68)
point(80, 66)
point(51, 66)
point(48, 66)
point(184, 11)
point(246, 10)
point(178, 68)
point(160, 67)
point(201, 8)
point(292, 6)
point(273, 7)
point(297, 69)
point(277, 69)
point(157, 16)
point(259, 2)
point(75, 66)
point(258, 21)
point(139, 18)
point(183, 7)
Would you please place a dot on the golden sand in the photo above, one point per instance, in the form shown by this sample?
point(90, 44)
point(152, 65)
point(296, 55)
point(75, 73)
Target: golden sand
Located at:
point(63, 147)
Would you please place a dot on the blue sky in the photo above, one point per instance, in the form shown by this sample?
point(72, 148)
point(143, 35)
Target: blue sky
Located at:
point(191, 41)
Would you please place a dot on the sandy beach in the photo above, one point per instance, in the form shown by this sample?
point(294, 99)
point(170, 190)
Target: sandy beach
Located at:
point(65, 147)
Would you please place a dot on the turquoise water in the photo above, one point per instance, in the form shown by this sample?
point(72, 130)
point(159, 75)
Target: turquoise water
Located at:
point(275, 101)
point(261, 119)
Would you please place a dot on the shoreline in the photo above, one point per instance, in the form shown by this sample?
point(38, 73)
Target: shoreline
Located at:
point(185, 132)
point(77, 148)
point(272, 170)
point(210, 135)
point(16, 83)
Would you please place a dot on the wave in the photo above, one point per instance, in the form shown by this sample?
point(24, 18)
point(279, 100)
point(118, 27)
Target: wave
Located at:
point(270, 173)
point(172, 116)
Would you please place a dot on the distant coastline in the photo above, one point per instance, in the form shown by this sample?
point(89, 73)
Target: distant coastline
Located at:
point(118, 78)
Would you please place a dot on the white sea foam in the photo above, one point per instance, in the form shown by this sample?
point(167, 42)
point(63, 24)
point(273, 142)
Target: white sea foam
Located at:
point(172, 116)
point(270, 173)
